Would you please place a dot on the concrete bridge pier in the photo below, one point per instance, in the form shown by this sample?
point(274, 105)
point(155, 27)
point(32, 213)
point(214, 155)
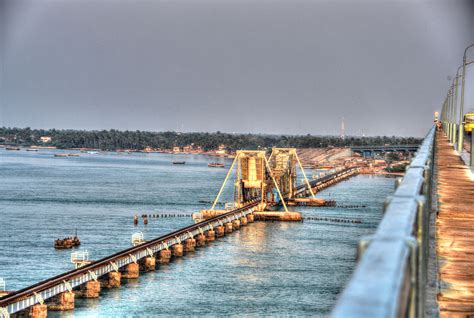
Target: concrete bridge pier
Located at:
point(110, 280)
point(189, 245)
point(220, 230)
point(243, 221)
point(210, 235)
point(61, 302)
point(228, 228)
point(165, 256)
point(147, 264)
point(131, 271)
point(250, 218)
point(236, 224)
point(35, 311)
point(201, 240)
point(91, 289)
point(177, 250)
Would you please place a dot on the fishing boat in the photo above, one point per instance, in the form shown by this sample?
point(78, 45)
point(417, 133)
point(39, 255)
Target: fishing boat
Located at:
point(60, 155)
point(31, 149)
point(12, 148)
point(73, 155)
point(216, 165)
point(179, 162)
point(67, 242)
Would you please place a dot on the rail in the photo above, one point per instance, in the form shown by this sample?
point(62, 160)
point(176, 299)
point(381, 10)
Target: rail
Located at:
point(24, 298)
point(391, 273)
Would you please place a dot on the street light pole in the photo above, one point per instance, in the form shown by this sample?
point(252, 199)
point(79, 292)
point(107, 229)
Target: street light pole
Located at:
point(463, 83)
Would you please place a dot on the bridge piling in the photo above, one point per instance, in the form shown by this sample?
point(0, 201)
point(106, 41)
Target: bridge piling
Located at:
point(165, 256)
point(220, 231)
point(210, 235)
point(61, 302)
point(235, 224)
point(250, 218)
point(36, 311)
point(201, 240)
point(91, 289)
point(130, 271)
point(177, 250)
point(228, 228)
point(149, 264)
point(189, 245)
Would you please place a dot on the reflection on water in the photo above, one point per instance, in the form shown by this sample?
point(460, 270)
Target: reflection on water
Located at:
point(263, 269)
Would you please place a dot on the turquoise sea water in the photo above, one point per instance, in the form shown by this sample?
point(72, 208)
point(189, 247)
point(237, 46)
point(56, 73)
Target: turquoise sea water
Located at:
point(265, 269)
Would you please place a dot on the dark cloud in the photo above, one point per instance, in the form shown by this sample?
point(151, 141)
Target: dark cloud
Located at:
point(238, 66)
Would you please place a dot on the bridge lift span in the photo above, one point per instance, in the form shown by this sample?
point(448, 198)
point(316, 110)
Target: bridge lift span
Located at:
point(260, 179)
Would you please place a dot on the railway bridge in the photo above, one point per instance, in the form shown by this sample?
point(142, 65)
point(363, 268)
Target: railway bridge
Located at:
point(262, 186)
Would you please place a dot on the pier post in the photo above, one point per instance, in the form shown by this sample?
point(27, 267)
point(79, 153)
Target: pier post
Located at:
point(62, 301)
point(210, 235)
point(220, 231)
point(35, 311)
point(250, 218)
point(91, 289)
point(236, 224)
point(131, 271)
point(189, 245)
point(177, 250)
point(111, 280)
point(200, 240)
point(228, 227)
point(149, 263)
point(165, 256)
point(243, 221)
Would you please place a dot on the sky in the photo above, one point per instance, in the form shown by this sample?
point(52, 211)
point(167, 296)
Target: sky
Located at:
point(273, 67)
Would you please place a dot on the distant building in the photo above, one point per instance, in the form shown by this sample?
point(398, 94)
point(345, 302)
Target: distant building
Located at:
point(176, 149)
point(188, 148)
point(45, 139)
point(221, 150)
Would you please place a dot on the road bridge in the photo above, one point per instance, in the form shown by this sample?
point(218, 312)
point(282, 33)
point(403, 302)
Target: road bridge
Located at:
point(370, 151)
point(420, 262)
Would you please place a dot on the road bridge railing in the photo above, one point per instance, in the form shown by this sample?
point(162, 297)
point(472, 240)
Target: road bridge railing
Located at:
point(42, 291)
point(391, 274)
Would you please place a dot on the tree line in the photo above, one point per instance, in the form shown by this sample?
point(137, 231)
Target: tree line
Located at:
point(138, 140)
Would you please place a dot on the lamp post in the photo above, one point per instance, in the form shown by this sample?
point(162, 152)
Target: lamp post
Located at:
point(463, 83)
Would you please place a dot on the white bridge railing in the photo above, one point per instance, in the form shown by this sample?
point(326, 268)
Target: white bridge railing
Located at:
point(390, 277)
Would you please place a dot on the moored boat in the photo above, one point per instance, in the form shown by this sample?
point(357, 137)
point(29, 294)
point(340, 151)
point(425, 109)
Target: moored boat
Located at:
point(60, 155)
point(216, 165)
point(31, 149)
point(179, 162)
point(68, 242)
point(12, 148)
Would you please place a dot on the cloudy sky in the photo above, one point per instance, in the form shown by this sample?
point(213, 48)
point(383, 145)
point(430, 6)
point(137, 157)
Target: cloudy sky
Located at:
point(292, 67)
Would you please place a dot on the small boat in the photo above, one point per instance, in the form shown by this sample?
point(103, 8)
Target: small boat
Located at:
point(92, 152)
point(12, 148)
point(60, 155)
point(179, 162)
point(68, 242)
point(216, 165)
point(31, 149)
point(73, 155)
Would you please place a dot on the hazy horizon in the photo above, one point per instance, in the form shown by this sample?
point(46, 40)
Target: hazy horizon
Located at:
point(237, 66)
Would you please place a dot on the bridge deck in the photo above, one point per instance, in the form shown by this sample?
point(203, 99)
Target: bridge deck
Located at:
point(455, 232)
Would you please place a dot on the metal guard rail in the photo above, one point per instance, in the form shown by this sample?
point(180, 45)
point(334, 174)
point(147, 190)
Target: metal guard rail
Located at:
point(46, 289)
point(391, 274)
